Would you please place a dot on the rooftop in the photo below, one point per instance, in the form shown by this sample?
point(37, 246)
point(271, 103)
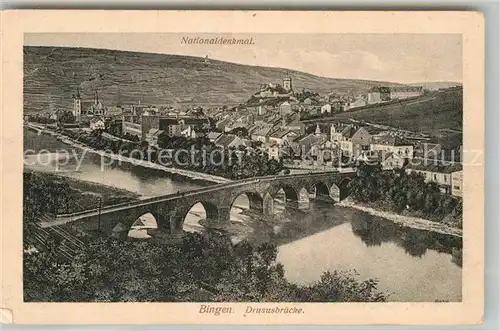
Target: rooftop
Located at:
point(279, 133)
point(434, 166)
point(390, 141)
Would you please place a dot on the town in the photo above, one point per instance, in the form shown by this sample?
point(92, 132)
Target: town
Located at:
point(329, 171)
point(272, 124)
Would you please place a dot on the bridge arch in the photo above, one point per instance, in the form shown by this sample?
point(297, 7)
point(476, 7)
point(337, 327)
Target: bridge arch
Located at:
point(320, 190)
point(209, 212)
point(119, 225)
point(291, 194)
point(255, 201)
point(143, 226)
point(344, 188)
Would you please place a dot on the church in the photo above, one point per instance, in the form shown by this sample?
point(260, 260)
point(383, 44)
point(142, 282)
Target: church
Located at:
point(87, 108)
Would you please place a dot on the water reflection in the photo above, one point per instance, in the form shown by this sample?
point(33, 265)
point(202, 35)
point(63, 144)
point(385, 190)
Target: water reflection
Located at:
point(374, 231)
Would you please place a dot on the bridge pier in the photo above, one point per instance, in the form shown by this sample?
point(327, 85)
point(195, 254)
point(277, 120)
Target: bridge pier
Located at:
point(256, 208)
point(268, 205)
point(219, 221)
point(120, 235)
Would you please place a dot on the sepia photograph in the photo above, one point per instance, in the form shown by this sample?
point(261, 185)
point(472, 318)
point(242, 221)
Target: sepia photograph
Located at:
point(157, 176)
point(273, 169)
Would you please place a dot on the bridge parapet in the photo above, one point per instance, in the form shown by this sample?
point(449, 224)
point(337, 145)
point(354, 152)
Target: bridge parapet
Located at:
point(170, 210)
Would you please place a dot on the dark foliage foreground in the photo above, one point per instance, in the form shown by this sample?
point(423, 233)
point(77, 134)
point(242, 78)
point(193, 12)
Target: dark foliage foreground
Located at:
point(204, 267)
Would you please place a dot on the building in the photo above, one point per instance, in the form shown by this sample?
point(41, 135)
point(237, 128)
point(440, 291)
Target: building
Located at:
point(212, 136)
point(327, 153)
point(292, 121)
point(77, 106)
point(134, 125)
point(385, 93)
point(340, 132)
point(262, 134)
point(178, 126)
point(391, 161)
point(379, 94)
point(457, 183)
point(309, 144)
point(359, 102)
point(261, 111)
point(114, 111)
point(273, 151)
point(152, 137)
point(405, 92)
point(172, 126)
point(93, 108)
point(441, 173)
point(229, 141)
point(327, 108)
point(391, 144)
point(143, 109)
point(281, 136)
point(361, 141)
point(188, 132)
point(222, 123)
point(285, 108)
point(97, 123)
point(287, 83)
point(428, 151)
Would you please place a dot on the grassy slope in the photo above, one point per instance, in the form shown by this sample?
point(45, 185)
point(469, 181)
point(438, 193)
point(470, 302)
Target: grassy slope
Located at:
point(85, 194)
point(51, 75)
point(429, 114)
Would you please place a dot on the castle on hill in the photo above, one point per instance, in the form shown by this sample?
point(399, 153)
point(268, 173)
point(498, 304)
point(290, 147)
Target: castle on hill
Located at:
point(271, 90)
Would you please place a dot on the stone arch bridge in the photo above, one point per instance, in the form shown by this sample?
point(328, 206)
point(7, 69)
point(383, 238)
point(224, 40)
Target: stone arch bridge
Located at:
point(170, 210)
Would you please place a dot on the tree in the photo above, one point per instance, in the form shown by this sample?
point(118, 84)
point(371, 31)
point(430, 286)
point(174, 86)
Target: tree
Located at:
point(66, 117)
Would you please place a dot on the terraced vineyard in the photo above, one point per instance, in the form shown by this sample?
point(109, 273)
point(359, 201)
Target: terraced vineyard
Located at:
point(52, 74)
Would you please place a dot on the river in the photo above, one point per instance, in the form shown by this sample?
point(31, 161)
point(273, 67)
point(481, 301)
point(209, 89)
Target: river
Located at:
point(411, 265)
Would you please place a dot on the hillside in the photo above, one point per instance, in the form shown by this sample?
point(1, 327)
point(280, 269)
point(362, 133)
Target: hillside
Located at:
point(52, 74)
point(438, 113)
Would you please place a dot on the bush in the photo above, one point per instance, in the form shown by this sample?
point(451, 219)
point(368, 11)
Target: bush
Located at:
point(113, 271)
point(399, 192)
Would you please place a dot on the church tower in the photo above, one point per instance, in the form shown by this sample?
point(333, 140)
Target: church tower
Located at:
point(77, 105)
point(318, 130)
point(287, 83)
point(333, 132)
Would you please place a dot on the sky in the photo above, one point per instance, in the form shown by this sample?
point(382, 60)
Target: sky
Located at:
point(401, 58)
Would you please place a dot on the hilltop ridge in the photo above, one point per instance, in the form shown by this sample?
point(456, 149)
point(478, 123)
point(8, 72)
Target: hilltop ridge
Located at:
point(52, 75)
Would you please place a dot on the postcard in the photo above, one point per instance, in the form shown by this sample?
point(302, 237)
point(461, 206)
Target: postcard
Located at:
point(242, 167)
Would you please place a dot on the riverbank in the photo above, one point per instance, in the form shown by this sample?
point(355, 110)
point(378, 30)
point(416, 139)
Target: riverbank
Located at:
point(110, 195)
point(120, 158)
point(81, 194)
point(406, 221)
